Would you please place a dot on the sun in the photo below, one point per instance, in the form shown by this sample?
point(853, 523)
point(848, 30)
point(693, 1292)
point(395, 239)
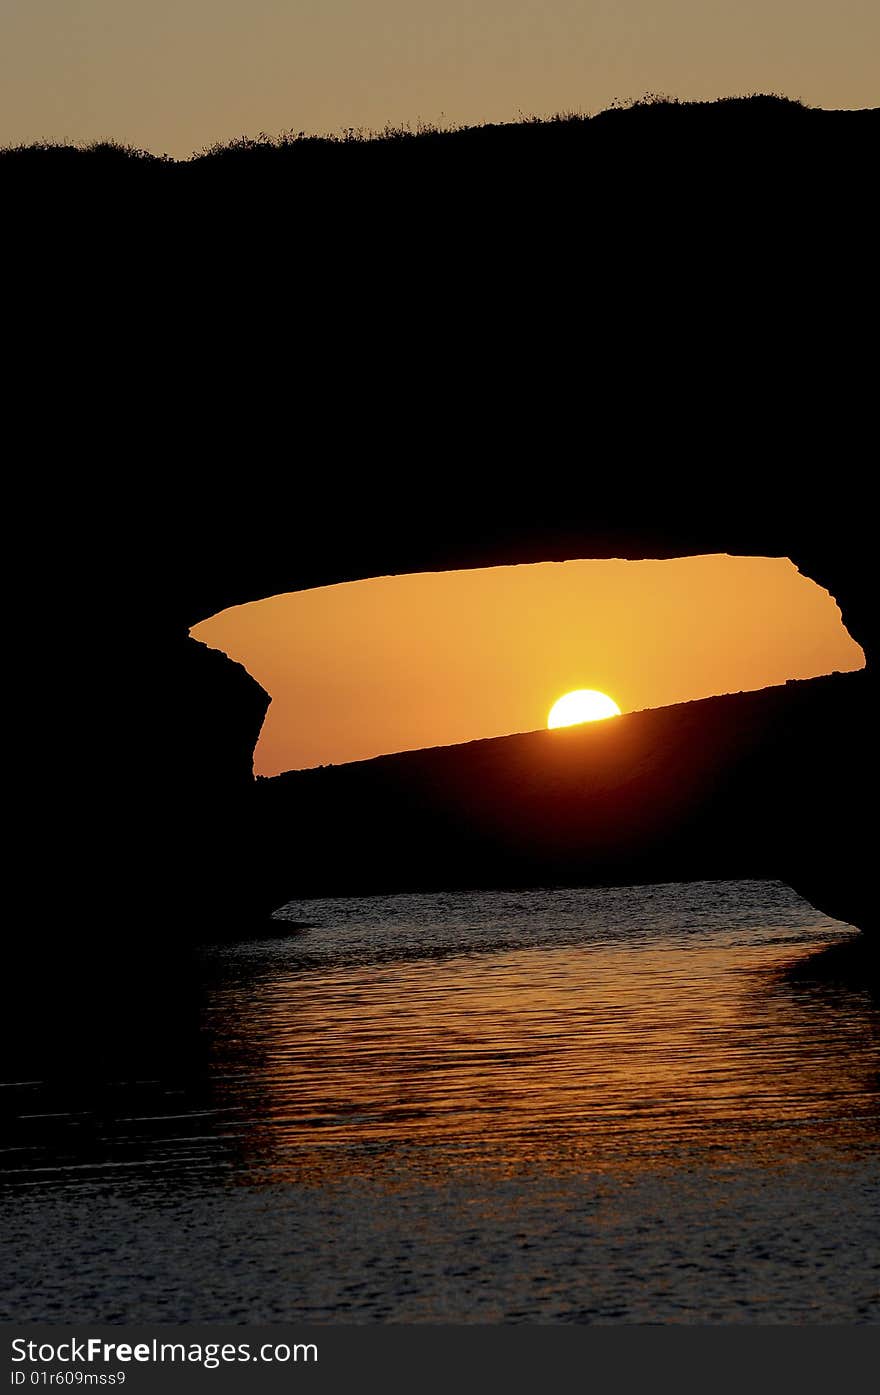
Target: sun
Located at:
point(582, 705)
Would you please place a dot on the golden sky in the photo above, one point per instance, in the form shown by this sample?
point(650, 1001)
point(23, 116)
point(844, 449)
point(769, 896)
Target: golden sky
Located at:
point(176, 75)
point(398, 663)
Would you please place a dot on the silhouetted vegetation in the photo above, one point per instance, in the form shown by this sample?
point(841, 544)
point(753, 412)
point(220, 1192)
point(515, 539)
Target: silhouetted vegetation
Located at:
point(640, 197)
point(677, 178)
point(655, 139)
point(654, 113)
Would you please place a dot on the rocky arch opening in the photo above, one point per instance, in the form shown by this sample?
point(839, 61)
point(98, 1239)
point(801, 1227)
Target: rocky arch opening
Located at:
point(160, 730)
point(367, 668)
point(795, 751)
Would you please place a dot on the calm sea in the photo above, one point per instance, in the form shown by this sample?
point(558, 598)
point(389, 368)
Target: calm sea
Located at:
point(616, 1105)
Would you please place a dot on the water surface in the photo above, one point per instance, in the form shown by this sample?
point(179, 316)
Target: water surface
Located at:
point(549, 1105)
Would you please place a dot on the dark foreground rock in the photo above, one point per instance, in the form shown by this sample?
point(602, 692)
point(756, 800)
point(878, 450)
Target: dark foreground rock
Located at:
point(639, 338)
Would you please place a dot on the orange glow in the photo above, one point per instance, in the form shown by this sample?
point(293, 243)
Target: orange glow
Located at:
point(582, 705)
point(622, 1088)
point(401, 662)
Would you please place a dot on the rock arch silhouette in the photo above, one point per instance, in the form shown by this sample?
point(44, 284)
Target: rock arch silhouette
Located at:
point(820, 856)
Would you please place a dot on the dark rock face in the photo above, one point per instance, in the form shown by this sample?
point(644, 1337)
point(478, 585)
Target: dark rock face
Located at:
point(768, 784)
point(183, 844)
point(645, 345)
point(724, 787)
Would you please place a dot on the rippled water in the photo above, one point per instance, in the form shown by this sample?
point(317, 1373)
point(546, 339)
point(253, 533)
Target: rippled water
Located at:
point(552, 1105)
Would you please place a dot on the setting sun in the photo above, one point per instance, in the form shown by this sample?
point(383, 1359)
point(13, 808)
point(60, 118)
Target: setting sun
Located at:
point(365, 668)
point(582, 705)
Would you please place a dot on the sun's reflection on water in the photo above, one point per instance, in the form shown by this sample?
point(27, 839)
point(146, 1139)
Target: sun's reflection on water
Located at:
point(561, 1057)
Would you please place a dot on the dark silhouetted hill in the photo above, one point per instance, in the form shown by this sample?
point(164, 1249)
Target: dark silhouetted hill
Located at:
point(636, 173)
point(644, 129)
point(748, 785)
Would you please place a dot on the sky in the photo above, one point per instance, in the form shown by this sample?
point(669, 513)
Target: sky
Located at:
point(399, 663)
point(176, 75)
